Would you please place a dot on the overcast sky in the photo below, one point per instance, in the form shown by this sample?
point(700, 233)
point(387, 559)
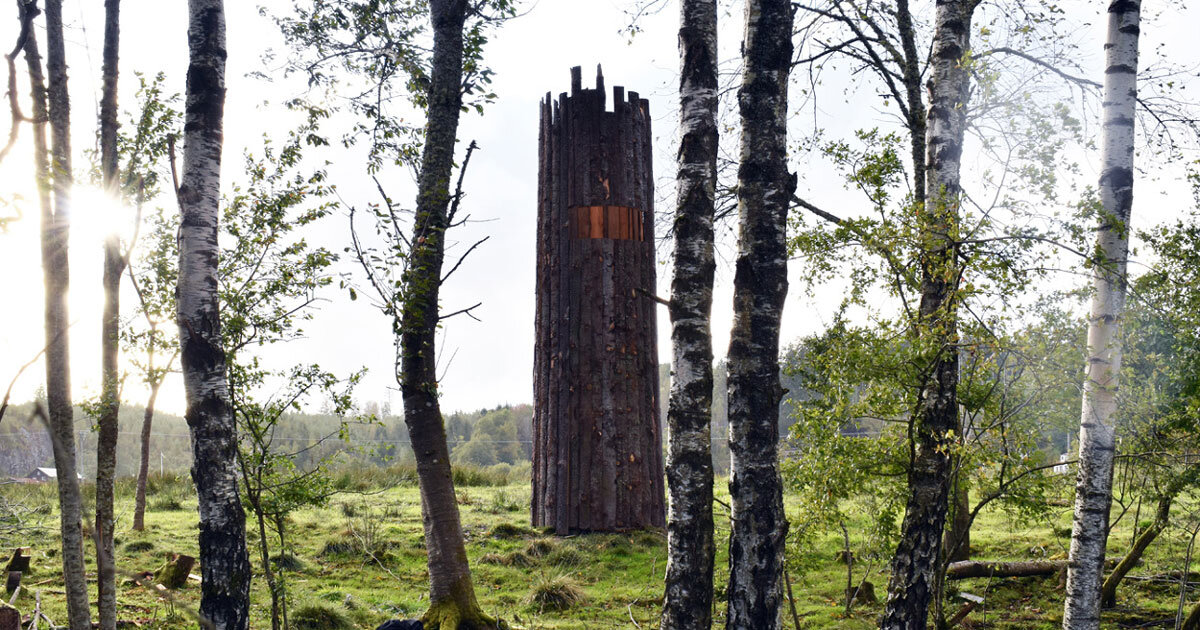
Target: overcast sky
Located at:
point(492, 359)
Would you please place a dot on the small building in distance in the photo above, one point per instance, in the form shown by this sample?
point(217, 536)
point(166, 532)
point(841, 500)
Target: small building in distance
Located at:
point(42, 475)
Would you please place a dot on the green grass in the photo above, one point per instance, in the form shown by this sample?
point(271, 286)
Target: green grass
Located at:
point(536, 580)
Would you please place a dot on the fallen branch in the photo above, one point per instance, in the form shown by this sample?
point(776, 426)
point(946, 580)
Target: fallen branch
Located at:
point(975, 569)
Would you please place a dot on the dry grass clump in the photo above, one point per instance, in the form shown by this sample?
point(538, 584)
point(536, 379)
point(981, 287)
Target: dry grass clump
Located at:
point(556, 592)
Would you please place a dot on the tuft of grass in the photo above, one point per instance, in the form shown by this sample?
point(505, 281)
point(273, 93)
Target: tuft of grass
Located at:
point(320, 617)
point(540, 547)
point(516, 559)
point(287, 562)
point(509, 530)
point(565, 557)
point(341, 547)
point(556, 592)
point(139, 546)
point(168, 503)
point(502, 502)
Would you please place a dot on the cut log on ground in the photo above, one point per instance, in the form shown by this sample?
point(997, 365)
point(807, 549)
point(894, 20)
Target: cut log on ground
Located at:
point(975, 569)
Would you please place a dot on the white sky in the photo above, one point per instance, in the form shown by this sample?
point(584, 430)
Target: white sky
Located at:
point(531, 55)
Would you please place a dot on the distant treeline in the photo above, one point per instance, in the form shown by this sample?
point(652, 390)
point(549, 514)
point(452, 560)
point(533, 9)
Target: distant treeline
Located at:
point(481, 438)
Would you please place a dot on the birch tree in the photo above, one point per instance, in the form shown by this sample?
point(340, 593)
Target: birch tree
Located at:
point(1093, 488)
point(765, 189)
point(225, 563)
point(52, 167)
point(110, 331)
point(913, 582)
point(690, 549)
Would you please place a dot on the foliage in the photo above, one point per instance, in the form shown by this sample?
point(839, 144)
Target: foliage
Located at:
point(375, 56)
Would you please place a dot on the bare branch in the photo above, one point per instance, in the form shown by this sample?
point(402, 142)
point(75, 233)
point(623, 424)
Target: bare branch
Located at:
point(465, 311)
point(462, 258)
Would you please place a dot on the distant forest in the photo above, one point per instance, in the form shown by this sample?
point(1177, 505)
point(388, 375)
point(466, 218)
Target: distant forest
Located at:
point(484, 438)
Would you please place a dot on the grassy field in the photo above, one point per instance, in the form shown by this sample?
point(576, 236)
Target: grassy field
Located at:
point(359, 561)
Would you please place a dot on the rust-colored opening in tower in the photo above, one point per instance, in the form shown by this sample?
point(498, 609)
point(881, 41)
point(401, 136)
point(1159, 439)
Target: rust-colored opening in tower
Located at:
point(615, 222)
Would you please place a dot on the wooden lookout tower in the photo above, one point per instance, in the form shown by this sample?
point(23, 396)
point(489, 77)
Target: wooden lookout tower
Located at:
point(597, 451)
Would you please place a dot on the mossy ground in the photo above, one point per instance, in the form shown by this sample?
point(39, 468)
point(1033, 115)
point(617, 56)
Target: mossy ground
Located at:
point(620, 574)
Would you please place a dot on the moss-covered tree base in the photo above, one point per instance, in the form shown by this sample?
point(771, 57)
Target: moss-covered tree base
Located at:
point(450, 615)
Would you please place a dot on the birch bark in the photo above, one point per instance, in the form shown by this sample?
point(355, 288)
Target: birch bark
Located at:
point(452, 603)
point(913, 580)
point(224, 561)
point(53, 169)
point(760, 285)
point(1093, 487)
point(114, 266)
point(690, 550)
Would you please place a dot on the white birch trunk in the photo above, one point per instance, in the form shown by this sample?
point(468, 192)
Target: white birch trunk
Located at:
point(1093, 488)
point(225, 563)
point(690, 550)
point(765, 190)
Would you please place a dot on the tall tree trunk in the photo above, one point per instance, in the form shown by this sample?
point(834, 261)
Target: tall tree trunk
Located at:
point(760, 286)
point(114, 266)
point(224, 560)
point(1093, 488)
point(913, 580)
point(452, 603)
point(53, 168)
point(139, 503)
point(690, 549)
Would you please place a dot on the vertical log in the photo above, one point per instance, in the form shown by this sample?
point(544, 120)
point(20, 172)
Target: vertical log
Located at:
point(597, 460)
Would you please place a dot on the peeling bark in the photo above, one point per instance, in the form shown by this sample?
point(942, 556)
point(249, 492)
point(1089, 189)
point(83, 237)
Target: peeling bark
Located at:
point(913, 580)
point(1093, 488)
point(690, 547)
point(53, 170)
point(224, 561)
point(765, 189)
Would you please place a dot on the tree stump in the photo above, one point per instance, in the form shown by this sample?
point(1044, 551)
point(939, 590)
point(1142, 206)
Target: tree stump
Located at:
point(174, 573)
point(597, 452)
point(12, 582)
point(10, 618)
point(19, 561)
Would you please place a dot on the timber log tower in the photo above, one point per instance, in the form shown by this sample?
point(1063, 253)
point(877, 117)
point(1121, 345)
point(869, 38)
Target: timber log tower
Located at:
point(597, 437)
